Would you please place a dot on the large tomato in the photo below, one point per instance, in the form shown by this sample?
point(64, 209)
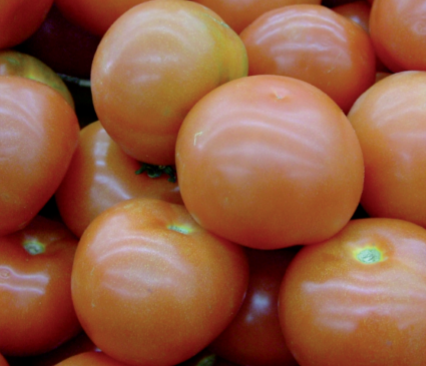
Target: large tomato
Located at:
point(314, 44)
point(269, 161)
point(39, 134)
point(151, 287)
point(151, 67)
point(358, 298)
point(397, 29)
point(390, 123)
point(36, 310)
point(255, 337)
point(238, 14)
point(19, 19)
point(100, 175)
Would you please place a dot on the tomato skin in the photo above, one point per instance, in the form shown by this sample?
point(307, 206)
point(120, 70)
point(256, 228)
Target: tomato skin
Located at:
point(253, 166)
point(390, 125)
point(315, 44)
point(160, 281)
point(101, 175)
point(19, 19)
point(254, 337)
point(39, 135)
point(238, 14)
point(90, 359)
point(36, 310)
point(145, 78)
point(397, 32)
point(336, 309)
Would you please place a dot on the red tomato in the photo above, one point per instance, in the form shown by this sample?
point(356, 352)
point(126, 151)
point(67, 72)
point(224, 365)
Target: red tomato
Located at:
point(397, 29)
point(96, 16)
point(36, 310)
point(90, 359)
point(39, 132)
point(238, 14)
point(268, 162)
point(151, 287)
point(314, 44)
point(254, 337)
point(146, 77)
point(390, 123)
point(358, 298)
point(100, 175)
point(19, 19)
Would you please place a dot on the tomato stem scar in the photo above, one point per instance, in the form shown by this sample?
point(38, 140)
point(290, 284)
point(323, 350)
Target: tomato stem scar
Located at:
point(369, 255)
point(34, 247)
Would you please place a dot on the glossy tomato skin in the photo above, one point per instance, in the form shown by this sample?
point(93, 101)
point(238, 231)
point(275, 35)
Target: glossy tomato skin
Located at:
point(39, 136)
point(146, 77)
point(101, 175)
point(238, 14)
point(36, 310)
point(90, 359)
point(254, 337)
point(19, 19)
point(397, 30)
point(390, 125)
point(146, 274)
point(315, 44)
point(358, 298)
point(268, 162)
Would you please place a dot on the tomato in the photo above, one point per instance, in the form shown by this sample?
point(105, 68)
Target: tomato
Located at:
point(151, 287)
point(254, 337)
point(397, 29)
point(269, 161)
point(390, 125)
point(314, 44)
point(146, 77)
point(36, 310)
point(100, 175)
point(14, 63)
point(358, 298)
point(90, 359)
point(96, 16)
point(19, 19)
point(238, 14)
point(64, 46)
point(39, 132)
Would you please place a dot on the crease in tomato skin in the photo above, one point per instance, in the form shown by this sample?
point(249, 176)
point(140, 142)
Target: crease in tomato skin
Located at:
point(34, 247)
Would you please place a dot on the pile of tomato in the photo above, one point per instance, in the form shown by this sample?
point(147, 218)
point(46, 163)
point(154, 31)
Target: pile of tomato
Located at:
point(212, 182)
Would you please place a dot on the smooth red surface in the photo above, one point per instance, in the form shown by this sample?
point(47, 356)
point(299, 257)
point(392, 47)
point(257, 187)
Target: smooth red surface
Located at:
point(358, 298)
point(153, 65)
point(151, 287)
point(101, 175)
point(314, 44)
point(39, 136)
point(36, 310)
point(269, 161)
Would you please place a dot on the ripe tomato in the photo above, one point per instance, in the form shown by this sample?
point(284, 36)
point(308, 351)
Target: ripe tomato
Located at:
point(19, 19)
point(151, 287)
point(314, 44)
point(39, 132)
point(391, 127)
point(254, 337)
point(397, 29)
point(100, 175)
point(358, 298)
point(36, 310)
point(238, 14)
point(90, 359)
point(146, 77)
point(96, 16)
point(269, 161)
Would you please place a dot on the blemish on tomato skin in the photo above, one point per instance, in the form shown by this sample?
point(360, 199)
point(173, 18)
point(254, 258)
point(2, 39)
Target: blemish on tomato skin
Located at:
point(369, 255)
